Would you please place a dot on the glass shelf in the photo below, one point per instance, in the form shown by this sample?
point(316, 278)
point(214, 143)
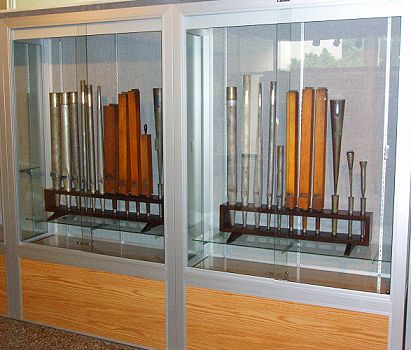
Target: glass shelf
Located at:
point(290, 273)
point(107, 224)
point(285, 245)
point(94, 223)
point(105, 247)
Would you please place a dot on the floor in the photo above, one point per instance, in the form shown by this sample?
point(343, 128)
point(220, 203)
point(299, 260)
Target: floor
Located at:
point(19, 335)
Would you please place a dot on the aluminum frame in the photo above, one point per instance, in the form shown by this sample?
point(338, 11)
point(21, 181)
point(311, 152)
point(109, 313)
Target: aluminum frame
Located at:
point(144, 18)
point(176, 19)
point(227, 13)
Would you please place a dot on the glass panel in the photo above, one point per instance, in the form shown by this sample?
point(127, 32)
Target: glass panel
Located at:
point(352, 59)
point(113, 205)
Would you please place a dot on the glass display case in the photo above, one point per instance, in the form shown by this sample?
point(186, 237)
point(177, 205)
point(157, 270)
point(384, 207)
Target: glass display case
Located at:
point(291, 144)
point(89, 133)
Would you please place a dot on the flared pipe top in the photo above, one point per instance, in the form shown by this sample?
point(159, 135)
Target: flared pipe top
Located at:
point(337, 108)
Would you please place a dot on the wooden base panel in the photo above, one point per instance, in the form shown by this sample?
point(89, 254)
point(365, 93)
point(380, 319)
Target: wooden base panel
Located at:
point(224, 321)
point(122, 308)
point(3, 287)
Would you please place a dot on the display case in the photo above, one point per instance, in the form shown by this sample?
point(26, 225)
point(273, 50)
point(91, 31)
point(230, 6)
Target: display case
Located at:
point(89, 114)
point(291, 150)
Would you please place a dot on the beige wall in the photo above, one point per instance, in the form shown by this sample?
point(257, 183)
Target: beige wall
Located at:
point(32, 4)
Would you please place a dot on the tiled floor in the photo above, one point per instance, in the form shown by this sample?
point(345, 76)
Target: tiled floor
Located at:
point(18, 335)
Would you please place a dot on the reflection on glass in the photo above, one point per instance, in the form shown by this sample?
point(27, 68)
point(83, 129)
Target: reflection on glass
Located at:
point(350, 58)
point(59, 205)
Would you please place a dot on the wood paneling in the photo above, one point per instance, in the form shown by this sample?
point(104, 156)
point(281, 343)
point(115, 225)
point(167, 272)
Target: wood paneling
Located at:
point(226, 321)
point(123, 308)
point(3, 288)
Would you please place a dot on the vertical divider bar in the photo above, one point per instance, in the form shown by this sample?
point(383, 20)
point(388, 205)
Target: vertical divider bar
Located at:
point(207, 126)
point(226, 248)
point(275, 68)
point(29, 114)
point(384, 153)
point(44, 111)
point(401, 223)
point(175, 223)
point(11, 223)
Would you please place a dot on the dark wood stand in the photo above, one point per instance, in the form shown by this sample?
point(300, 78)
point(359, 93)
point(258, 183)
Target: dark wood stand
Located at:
point(237, 229)
point(152, 220)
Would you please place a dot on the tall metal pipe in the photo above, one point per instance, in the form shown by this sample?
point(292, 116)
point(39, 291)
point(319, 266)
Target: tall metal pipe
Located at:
point(245, 140)
point(65, 144)
point(55, 172)
point(231, 97)
point(74, 144)
point(337, 121)
point(271, 149)
point(258, 169)
point(84, 144)
point(100, 147)
point(91, 145)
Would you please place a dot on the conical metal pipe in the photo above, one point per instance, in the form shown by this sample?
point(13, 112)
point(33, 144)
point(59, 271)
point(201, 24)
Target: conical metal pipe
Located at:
point(337, 121)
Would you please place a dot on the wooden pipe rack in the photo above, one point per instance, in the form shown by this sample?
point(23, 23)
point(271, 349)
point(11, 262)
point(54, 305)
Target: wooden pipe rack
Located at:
point(237, 230)
point(152, 220)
